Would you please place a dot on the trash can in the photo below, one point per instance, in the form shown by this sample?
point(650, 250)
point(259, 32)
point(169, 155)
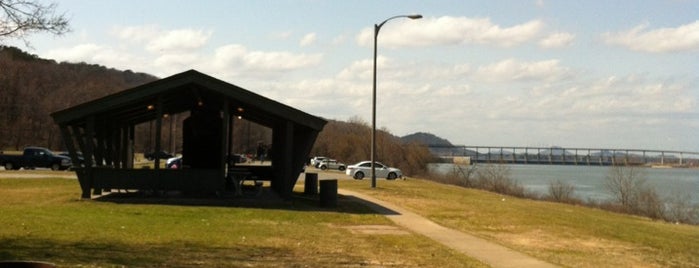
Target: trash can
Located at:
point(310, 185)
point(328, 193)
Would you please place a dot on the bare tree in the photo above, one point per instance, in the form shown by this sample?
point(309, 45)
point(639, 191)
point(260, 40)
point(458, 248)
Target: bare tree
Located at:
point(20, 18)
point(681, 209)
point(625, 183)
point(496, 178)
point(561, 191)
point(465, 174)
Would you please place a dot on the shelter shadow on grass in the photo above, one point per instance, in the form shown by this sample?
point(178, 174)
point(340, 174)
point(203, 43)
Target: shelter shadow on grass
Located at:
point(113, 253)
point(267, 199)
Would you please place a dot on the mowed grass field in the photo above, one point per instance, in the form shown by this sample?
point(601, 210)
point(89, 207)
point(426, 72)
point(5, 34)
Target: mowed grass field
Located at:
point(44, 219)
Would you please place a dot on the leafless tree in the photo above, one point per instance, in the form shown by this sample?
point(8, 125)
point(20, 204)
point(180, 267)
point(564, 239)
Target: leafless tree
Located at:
point(496, 178)
point(20, 18)
point(465, 174)
point(681, 209)
point(561, 191)
point(625, 183)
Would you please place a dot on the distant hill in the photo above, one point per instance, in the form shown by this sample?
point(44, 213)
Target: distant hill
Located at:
point(437, 146)
point(31, 88)
point(427, 139)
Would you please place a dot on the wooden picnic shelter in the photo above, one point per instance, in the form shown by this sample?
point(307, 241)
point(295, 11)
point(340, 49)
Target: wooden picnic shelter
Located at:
point(103, 131)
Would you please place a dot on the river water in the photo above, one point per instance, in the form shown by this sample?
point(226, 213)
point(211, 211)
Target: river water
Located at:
point(589, 181)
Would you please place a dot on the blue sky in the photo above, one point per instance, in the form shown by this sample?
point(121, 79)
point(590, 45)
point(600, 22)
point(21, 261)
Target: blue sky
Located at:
point(612, 74)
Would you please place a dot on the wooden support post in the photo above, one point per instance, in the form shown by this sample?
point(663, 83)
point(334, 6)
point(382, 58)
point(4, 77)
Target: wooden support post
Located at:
point(286, 165)
point(225, 149)
point(158, 131)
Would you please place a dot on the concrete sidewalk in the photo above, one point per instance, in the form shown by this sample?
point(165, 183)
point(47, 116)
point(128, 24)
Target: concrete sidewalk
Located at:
point(489, 253)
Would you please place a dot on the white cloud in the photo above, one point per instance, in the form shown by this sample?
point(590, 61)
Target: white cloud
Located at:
point(308, 39)
point(173, 63)
point(239, 58)
point(557, 40)
point(282, 35)
point(94, 53)
point(82, 52)
point(681, 38)
point(514, 70)
point(339, 39)
point(452, 31)
point(622, 97)
point(141, 34)
point(360, 70)
point(157, 40)
point(178, 40)
point(539, 3)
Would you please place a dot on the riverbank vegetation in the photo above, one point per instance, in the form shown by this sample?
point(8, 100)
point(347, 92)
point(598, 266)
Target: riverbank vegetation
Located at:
point(626, 184)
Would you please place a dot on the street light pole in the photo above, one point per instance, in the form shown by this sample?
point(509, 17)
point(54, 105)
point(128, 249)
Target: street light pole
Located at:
point(377, 27)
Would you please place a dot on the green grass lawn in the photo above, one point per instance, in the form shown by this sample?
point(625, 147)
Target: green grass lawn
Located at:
point(44, 220)
point(566, 235)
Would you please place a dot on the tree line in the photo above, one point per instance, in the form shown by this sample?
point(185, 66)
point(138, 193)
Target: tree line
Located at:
point(32, 88)
point(350, 142)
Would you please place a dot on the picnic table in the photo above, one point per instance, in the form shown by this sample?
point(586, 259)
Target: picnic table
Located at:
point(238, 176)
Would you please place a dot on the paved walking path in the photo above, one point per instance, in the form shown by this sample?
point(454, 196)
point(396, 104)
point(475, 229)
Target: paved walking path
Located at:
point(489, 253)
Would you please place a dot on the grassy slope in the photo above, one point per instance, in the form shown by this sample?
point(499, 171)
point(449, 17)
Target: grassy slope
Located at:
point(567, 235)
point(43, 219)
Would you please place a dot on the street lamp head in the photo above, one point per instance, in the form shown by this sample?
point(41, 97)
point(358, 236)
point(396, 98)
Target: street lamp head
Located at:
point(416, 16)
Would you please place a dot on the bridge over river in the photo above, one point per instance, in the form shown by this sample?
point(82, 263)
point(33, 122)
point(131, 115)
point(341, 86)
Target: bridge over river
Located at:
point(567, 156)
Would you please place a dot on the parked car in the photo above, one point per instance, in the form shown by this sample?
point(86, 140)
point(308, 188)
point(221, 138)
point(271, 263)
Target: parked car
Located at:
point(331, 164)
point(237, 158)
point(160, 155)
point(315, 161)
point(35, 157)
point(359, 170)
point(174, 162)
point(81, 158)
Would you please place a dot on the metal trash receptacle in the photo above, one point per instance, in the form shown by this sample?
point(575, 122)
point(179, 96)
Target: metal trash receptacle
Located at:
point(328, 193)
point(310, 184)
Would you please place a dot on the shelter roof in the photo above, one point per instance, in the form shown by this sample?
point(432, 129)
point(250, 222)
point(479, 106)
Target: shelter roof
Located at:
point(181, 93)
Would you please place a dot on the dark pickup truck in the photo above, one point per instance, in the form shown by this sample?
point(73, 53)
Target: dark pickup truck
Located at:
point(35, 157)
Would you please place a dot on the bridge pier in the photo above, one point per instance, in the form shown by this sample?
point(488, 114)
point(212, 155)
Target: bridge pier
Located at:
point(588, 156)
point(681, 159)
point(526, 155)
point(662, 158)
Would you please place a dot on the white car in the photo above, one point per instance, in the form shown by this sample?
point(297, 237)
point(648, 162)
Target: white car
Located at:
point(359, 170)
point(315, 161)
point(331, 164)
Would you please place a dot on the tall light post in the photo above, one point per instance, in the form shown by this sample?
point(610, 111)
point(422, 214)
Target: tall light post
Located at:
point(377, 27)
